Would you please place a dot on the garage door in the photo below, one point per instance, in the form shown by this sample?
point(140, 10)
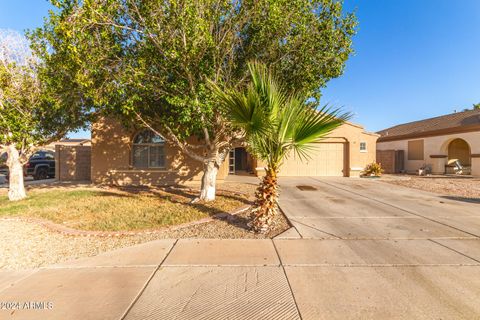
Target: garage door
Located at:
point(326, 160)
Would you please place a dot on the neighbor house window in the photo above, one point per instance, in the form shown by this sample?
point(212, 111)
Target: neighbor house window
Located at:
point(148, 150)
point(363, 147)
point(415, 150)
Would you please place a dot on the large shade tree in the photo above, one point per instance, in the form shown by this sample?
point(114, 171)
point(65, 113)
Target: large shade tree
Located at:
point(149, 60)
point(31, 114)
point(276, 124)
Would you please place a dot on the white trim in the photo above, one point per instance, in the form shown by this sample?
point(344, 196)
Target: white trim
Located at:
point(360, 146)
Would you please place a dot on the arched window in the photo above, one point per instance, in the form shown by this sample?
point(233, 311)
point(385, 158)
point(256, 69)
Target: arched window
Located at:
point(148, 150)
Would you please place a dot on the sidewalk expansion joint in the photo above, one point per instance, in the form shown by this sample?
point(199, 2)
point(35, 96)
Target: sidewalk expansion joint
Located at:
point(288, 281)
point(383, 265)
point(308, 226)
point(148, 281)
point(2, 289)
point(447, 247)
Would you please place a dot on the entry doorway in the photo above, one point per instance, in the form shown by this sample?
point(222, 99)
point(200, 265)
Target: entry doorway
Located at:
point(459, 157)
point(240, 161)
point(459, 150)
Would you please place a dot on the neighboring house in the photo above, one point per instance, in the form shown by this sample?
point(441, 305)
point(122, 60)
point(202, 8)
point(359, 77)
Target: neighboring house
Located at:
point(122, 156)
point(440, 143)
point(68, 142)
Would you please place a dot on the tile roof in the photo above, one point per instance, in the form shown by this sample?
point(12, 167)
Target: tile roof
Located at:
point(465, 119)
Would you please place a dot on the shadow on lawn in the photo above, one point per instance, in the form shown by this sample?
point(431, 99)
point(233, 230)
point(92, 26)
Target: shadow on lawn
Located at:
point(179, 194)
point(184, 195)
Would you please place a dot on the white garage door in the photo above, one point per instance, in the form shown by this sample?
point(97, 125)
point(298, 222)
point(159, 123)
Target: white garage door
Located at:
point(326, 160)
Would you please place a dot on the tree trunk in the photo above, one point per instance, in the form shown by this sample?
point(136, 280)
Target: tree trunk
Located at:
point(265, 206)
point(209, 179)
point(16, 190)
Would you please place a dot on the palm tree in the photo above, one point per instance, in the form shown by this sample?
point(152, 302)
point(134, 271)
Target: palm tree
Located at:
point(275, 125)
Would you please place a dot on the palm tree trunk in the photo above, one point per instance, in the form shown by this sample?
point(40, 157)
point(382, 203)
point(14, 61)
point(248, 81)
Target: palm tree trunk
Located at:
point(265, 207)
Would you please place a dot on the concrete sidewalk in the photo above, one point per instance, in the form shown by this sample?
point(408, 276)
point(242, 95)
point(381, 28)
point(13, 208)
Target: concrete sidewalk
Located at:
point(257, 279)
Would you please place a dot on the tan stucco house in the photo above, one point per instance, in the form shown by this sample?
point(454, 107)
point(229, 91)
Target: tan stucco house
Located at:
point(122, 156)
point(438, 144)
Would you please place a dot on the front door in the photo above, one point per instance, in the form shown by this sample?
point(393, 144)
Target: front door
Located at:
point(240, 159)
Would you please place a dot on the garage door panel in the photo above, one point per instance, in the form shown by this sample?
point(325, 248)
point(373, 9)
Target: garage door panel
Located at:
point(327, 159)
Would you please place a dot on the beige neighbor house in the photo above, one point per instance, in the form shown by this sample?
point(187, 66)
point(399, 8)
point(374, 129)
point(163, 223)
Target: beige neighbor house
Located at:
point(445, 144)
point(122, 156)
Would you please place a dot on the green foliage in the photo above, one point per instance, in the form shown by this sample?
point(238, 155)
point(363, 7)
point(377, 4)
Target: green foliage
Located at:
point(276, 122)
point(373, 169)
point(476, 106)
point(152, 58)
point(30, 113)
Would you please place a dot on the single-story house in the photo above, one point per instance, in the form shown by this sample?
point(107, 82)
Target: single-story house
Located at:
point(123, 156)
point(445, 144)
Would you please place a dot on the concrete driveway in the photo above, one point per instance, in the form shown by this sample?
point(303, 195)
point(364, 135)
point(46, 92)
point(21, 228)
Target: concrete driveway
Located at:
point(343, 208)
point(371, 250)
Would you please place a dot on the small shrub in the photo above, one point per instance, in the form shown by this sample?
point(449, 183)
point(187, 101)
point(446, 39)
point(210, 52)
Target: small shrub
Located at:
point(373, 169)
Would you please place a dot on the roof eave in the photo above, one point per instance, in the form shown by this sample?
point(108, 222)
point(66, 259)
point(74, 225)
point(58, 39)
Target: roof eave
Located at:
point(431, 133)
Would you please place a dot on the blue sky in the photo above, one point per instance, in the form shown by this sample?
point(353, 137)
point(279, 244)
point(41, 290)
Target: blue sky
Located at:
point(414, 58)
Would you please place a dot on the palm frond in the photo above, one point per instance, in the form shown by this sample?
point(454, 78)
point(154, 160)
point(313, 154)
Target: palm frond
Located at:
point(276, 125)
point(313, 125)
point(241, 109)
point(274, 122)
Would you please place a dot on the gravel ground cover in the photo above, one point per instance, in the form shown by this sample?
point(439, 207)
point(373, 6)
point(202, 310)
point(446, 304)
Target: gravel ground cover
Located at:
point(25, 245)
point(455, 186)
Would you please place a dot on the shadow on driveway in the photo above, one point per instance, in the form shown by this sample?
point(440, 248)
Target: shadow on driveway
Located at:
point(464, 199)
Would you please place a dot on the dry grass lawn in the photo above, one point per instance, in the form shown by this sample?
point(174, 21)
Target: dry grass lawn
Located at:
point(33, 245)
point(111, 209)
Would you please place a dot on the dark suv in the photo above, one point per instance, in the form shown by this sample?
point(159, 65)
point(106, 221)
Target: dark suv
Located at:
point(3, 164)
point(41, 165)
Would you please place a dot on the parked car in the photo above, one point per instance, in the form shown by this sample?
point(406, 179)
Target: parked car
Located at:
point(3, 164)
point(40, 166)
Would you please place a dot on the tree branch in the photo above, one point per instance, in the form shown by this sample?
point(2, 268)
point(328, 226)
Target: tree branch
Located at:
point(172, 138)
